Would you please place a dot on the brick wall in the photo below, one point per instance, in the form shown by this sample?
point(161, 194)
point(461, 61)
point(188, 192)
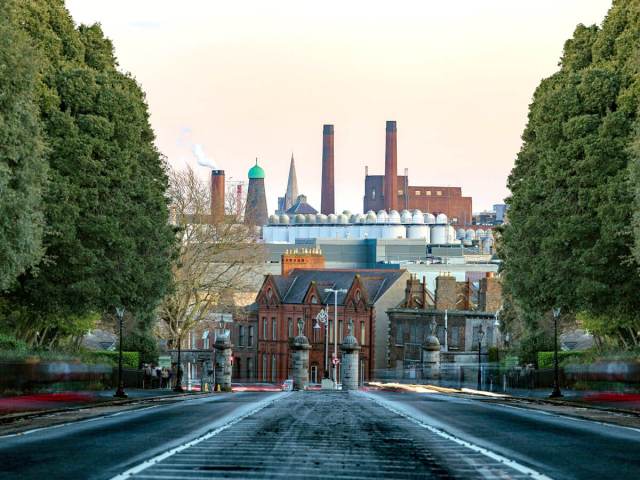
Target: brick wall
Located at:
point(446, 293)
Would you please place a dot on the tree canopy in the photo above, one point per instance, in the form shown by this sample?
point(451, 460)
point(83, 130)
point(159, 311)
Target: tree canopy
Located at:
point(106, 238)
point(572, 236)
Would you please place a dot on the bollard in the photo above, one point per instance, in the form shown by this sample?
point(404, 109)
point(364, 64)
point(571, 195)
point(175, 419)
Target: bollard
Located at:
point(431, 355)
point(350, 361)
point(223, 363)
point(300, 347)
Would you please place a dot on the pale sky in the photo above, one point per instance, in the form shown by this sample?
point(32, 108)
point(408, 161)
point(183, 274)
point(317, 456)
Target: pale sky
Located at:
point(246, 79)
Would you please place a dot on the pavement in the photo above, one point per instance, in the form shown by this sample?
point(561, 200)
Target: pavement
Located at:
point(314, 434)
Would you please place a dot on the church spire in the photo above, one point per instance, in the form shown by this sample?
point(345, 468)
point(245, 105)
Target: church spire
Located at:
point(292, 186)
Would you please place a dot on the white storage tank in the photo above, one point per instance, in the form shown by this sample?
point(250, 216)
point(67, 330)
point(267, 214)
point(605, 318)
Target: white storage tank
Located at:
point(480, 233)
point(394, 216)
point(392, 231)
point(406, 217)
point(332, 219)
point(470, 234)
point(429, 218)
point(419, 232)
point(439, 234)
point(442, 219)
point(382, 216)
point(451, 234)
point(284, 219)
point(417, 217)
point(460, 233)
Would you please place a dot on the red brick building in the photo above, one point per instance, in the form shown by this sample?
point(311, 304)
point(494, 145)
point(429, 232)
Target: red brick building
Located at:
point(428, 199)
point(283, 299)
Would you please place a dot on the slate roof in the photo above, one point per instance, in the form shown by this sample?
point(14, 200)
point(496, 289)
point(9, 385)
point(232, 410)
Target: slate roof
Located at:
point(301, 206)
point(293, 287)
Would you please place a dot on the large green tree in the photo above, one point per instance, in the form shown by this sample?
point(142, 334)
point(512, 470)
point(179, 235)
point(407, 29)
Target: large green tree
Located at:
point(569, 242)
point(22, 160)
point(107, 239)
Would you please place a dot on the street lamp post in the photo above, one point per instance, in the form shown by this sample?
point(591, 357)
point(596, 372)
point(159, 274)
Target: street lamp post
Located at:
point(323, 318)
point(480, 337)
point(556, 393)
point(120, 391)
point(335, 328)
point(178, 388)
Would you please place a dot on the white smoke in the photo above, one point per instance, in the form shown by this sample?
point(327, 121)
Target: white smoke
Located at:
point(202, 158)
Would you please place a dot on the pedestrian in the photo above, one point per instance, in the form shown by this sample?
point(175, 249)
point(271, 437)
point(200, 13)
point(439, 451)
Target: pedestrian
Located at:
point(165, 377)
point(146, 381)
point(154, 376)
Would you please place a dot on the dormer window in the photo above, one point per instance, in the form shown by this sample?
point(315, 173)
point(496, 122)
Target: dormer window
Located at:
point(314, 299)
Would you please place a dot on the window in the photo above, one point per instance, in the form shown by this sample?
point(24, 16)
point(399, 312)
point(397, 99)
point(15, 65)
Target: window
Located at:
point(439, 193)
point(373, 194)
point(314, 299)
point(330, 329)
point(399, 334)
point(264, 328)
point(274, 368)
point(455, 337)
point(417, 193)
point(205, 339)
point(314, 374)
point(274, 329)
point(290, 327)
point(363, 332)
point(250, 342)
point(241, 335)
point(193, 340)
point(340, 331)
point(400, 192)
point(428, 192)
point(264, 367)
point(237, 366)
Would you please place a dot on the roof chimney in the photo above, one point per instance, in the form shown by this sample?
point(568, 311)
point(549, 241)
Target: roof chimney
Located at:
point(391, 167)
point(327, 202)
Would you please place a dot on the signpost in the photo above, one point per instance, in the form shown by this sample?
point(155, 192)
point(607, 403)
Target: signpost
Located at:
point(164, 361)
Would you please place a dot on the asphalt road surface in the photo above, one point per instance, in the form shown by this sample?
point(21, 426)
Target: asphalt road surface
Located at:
point(326, 435)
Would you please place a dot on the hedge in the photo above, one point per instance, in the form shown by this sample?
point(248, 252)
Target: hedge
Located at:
point(545, 359)
point(129, 359)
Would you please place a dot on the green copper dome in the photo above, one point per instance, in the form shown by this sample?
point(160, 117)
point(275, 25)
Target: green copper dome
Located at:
point(256, 171)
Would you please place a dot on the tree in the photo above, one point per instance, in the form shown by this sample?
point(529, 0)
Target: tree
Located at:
point(569, 242)
point(216, 261)
point(22, 161)
point(107, 239)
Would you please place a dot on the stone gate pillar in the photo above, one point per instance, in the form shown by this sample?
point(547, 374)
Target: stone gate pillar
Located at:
point(431, 355)
point(300, 347)
point(350, 361)
point(223, 362)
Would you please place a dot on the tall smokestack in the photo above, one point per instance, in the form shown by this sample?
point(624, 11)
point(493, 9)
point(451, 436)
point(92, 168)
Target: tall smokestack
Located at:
point(391, 168)
point(217, 196)
point(327, 202)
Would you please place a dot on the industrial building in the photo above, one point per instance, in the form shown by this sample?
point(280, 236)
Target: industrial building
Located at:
point(393, 192)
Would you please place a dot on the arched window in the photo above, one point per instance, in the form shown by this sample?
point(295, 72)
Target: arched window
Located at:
point(314, 299)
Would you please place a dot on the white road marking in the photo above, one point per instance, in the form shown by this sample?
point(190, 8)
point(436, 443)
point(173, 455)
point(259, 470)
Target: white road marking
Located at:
point(569, 417)
point(241, 416)
point(92, 419)
point(441, 433)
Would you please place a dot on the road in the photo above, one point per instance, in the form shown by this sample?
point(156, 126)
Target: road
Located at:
point(332, 435)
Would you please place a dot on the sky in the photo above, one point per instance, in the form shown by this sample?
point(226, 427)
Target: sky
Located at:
point(229, 81)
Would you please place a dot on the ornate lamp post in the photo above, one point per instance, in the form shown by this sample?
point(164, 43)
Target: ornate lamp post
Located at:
point(323, 318)
point(480, 338)
point(178, 388)
point(120, 391)
point(556, 393)
point(335, 329)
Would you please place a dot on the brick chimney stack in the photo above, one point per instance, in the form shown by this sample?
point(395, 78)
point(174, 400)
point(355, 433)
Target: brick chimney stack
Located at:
point(304, 258)
point(327, 202)
point(391, 167)
point(217, 196)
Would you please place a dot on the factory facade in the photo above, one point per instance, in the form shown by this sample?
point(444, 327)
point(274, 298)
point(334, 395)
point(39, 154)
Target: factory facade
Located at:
point(300, 293)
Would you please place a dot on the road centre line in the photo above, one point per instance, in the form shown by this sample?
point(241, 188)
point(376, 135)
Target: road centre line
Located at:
point(441, 433)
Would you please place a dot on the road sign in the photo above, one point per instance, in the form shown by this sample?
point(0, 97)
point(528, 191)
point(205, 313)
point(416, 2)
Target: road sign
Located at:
point(335, 361)
point(164, 361)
